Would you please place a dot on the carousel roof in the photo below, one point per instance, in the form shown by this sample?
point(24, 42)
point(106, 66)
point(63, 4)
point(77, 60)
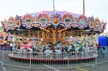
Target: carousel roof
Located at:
point(45, 19)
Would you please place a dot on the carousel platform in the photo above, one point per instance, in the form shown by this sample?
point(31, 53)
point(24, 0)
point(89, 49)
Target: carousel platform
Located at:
point(55, 58)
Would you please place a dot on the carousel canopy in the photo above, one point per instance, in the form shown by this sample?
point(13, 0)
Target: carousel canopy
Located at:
point(45, 19)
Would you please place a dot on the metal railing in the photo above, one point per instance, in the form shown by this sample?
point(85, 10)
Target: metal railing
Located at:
point(50, 62)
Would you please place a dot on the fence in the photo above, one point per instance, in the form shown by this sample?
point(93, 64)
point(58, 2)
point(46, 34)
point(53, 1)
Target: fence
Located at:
point(53, 61)
point(27, 61)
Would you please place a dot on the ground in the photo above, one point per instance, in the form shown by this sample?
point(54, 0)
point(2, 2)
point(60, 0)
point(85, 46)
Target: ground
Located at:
point(101, 67)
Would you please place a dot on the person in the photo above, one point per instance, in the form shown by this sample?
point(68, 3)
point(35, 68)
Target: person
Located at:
point(58, 51)
point(26, 46)
point(86, 50)
point(47, 52)
point(69, 48)
point(34, 46)
point(43, 48)
point(98, 46)
point(103, 51)
point(14, 46)
point(59, 44)
point(64, 47)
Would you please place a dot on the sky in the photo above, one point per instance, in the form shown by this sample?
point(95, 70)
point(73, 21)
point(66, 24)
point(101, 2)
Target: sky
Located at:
point(96, 8)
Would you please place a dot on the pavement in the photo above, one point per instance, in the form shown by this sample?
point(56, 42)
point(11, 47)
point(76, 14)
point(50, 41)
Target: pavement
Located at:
point(1, 68)
point(102, 67)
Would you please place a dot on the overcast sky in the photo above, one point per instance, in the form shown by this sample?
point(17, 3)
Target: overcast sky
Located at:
point(96, 8)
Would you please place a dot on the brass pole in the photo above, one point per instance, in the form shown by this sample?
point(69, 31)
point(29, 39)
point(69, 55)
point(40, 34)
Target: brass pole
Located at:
point(92, 38)
point(33, 33)
point(38, 37)
point(29, 34)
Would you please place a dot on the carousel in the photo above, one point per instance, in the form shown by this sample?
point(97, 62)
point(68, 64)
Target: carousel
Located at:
point(56, 36)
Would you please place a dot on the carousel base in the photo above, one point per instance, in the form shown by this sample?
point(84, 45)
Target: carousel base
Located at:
point(54, 60)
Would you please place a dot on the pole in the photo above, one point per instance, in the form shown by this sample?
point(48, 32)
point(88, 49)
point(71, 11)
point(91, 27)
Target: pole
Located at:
point(29, 33)
point(53, 5)
point(38, 38)
point(83, 7)
point(30, 61)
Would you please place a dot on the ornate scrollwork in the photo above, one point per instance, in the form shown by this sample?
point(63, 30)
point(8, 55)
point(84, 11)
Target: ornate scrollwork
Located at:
point(27, 20)
point(67, 19)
